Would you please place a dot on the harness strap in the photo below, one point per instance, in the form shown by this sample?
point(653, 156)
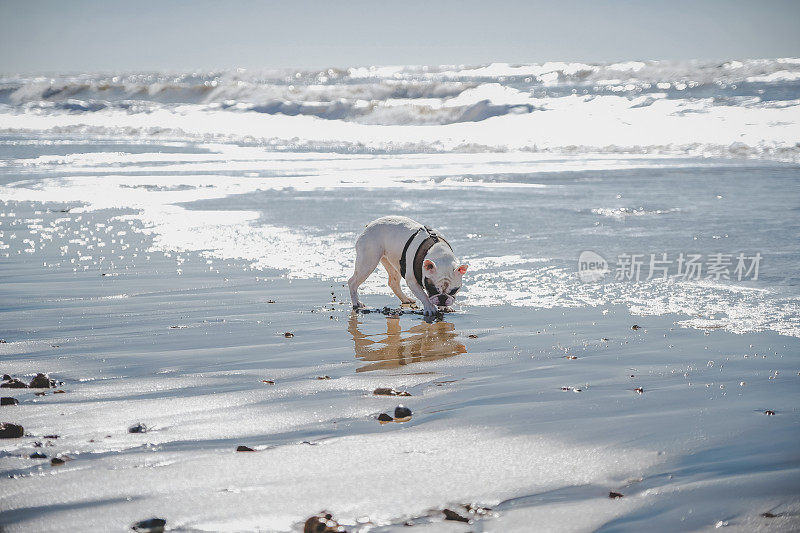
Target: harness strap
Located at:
point(422, 251)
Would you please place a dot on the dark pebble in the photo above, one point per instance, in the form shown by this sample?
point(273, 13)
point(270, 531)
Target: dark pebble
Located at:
point(58, 461)
point(615, 495)
point(153, 525)
point(323, 377)
point(640, 390)
point(37, 455)
point(452, 515)
point(322, 523)
point(42, 381)
point(270, 301)
point(402, 411)
point(770, 515)
point(386, 391)
point(636, 326)
point(473, 336)
point(137, 428)
point(11, 431)
point(244, 449)
point(7, 400)
point(288, 334)
point(769, 412)
point(13, 383)
point(383, 417)
point(50, 437)
point(6, 377)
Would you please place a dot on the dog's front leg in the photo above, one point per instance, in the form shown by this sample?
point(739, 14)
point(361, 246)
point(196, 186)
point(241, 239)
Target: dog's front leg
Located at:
point(419, 292)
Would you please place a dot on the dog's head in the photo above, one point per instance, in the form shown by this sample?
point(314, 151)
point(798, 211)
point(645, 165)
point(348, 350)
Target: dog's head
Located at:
point(442, 282)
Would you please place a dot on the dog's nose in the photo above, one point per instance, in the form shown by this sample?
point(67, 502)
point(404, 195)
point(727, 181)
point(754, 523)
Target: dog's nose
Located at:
point(442, 299)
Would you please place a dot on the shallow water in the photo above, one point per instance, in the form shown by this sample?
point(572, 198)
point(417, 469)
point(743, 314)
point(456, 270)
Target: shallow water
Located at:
point(155, 272)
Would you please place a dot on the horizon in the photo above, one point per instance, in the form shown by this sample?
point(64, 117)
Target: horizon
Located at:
point(44, 37)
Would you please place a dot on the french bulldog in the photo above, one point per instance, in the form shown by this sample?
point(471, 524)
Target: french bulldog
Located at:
point(411, 251)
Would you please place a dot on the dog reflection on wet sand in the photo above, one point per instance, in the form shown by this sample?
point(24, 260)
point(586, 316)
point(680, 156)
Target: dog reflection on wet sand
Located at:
point(422, 342)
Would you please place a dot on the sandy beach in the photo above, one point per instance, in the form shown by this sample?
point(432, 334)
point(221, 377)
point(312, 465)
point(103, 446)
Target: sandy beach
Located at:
point(154, 275)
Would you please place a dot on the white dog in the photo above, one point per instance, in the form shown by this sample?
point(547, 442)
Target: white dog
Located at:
point(414, 252)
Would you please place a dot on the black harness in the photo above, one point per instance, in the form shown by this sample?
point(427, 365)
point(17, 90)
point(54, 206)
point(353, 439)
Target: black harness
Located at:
point(419, 257)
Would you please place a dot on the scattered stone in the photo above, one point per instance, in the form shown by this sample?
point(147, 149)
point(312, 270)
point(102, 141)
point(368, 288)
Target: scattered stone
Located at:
point(476, 509)
point(383, 417)
point(402, 411)
point(40, 393)
point(473, 336)
point(323, 377)
point(635, 327)
point(12, 383)
point(7, 400)
point(268, 381)
point(323, 523)
point(771, 515)
point(42, 381)
point(288, 334)
point(769, 412)
point(37, 455)
point(138, 428)
point(640, 390)
point(244, 449)
point(571, 357)
point(270, 301)
point(59, 391)
point(50, 437)
point(3, 341)
point(58, 461)
point(386, 391)
point(566, 388)
point(153, 525)
point(452, 515)
point(615, 495)
point(604, 339)
point(11, 431)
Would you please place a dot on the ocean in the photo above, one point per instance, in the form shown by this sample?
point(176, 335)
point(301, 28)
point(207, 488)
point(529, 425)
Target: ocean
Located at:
point(627, 226)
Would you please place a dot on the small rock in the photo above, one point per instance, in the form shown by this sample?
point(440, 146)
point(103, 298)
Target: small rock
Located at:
point(322, 523)
point(635, 327)
point(571, 357)
point(270, 301)
point(244, 449)
point(640, 390)
point(40, 393)
point(473, 336)
point(402, 411)
point(615, 495)
point(58, 461)
point(3, 341)
point(383, 417)
point(7, 400)
point(59, 391)
point(11, 431)
point(268, 381)
point(42, 381)
point(769, 412)
point(50, 437)
point(153, 525)
point(12, 383)
point(452, 515)
point(37, 455)
point(323, 377)
point(288, 334)
point(770, 515)
point(386, 391)
point(137, 428)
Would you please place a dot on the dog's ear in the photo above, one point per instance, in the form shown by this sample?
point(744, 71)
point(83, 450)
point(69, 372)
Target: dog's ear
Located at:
point(462, 269)
point(429, 266)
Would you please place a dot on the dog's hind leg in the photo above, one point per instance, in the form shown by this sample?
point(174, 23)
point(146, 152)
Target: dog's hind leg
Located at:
point(394, 281)
point(367, 258)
